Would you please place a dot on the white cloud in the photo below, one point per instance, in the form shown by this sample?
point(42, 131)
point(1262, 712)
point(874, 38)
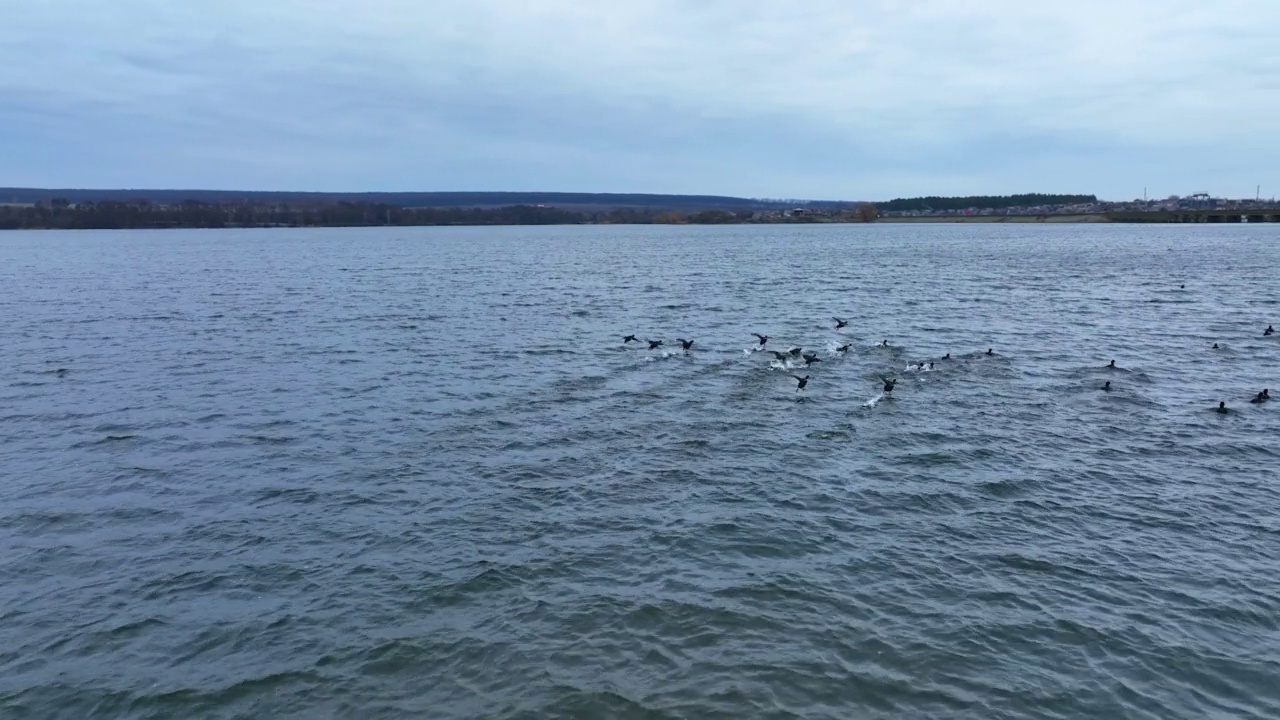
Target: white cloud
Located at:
point(874, 97)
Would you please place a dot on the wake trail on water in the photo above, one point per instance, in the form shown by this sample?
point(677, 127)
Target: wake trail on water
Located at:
point(665, 354)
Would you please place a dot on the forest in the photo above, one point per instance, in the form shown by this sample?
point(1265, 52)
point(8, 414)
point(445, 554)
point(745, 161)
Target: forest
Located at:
point(59, 213)
point(982, 202)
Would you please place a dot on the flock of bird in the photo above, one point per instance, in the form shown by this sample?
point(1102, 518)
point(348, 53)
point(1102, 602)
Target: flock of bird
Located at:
point(889, 383)
point(797, 353)
point(1261, 397)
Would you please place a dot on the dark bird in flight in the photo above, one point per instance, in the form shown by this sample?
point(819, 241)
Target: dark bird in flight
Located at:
point(842, 348)
point(630, 339)
point(811, 358)
point(796, 351)
point(655, 344)
point(686, 344)
point(782, 357)
point(801, 382)
point(888, 384)
point(840, 323)
point(763, 338)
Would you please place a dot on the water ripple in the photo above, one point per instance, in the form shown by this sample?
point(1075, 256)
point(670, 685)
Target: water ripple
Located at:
point(415, 473)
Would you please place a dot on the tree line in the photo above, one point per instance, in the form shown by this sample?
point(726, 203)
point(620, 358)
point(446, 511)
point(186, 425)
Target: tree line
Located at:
point(59, 213)
point(982, 202)
point(111, 215)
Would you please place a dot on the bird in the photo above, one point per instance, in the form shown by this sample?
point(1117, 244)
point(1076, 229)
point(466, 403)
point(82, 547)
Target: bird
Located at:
point(655, 344)
point(781, 356)
point(763, 338)
point(1269, 331)
point(884, 343)
point(1215, 346)
point(990, 351)
point(630, 339)
point(796, 351)
point(801, 382)
point(811, 358)
point(1107, 387)
point(1222, 407)
point(840, 323)
point(842, 348)
point(1112, 365)
point(947, 356)
point(888, 384)
point(686, 344)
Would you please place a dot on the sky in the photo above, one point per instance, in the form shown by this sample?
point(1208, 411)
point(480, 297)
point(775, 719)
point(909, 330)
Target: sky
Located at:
point(821, 99)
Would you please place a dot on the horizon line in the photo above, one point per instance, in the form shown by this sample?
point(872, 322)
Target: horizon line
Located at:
point(757, 198)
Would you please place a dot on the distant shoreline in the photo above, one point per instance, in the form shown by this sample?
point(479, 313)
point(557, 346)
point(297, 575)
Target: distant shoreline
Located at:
point(196, 216)
point(1022, 219)
point(931, 220)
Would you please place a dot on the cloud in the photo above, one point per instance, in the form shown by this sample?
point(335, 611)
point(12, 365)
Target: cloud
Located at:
point(821, 99)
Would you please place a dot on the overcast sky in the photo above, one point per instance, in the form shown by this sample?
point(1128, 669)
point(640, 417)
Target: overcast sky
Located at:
point(831, 99)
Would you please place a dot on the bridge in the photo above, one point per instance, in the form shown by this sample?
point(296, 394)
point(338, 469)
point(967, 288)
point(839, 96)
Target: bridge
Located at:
point(1234, 215)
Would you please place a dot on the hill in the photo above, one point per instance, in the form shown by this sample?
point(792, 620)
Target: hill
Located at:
point(410, 199)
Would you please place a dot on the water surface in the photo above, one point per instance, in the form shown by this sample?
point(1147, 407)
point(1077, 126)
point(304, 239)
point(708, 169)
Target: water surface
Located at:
point(401, 473)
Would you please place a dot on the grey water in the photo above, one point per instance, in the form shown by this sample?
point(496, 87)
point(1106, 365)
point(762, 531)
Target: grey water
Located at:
point(416, 473)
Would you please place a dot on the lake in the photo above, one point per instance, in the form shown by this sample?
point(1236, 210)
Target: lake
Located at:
point(416, 473)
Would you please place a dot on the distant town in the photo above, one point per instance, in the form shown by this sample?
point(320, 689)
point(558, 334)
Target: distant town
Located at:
point(27, 208)
point(1194, 203)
